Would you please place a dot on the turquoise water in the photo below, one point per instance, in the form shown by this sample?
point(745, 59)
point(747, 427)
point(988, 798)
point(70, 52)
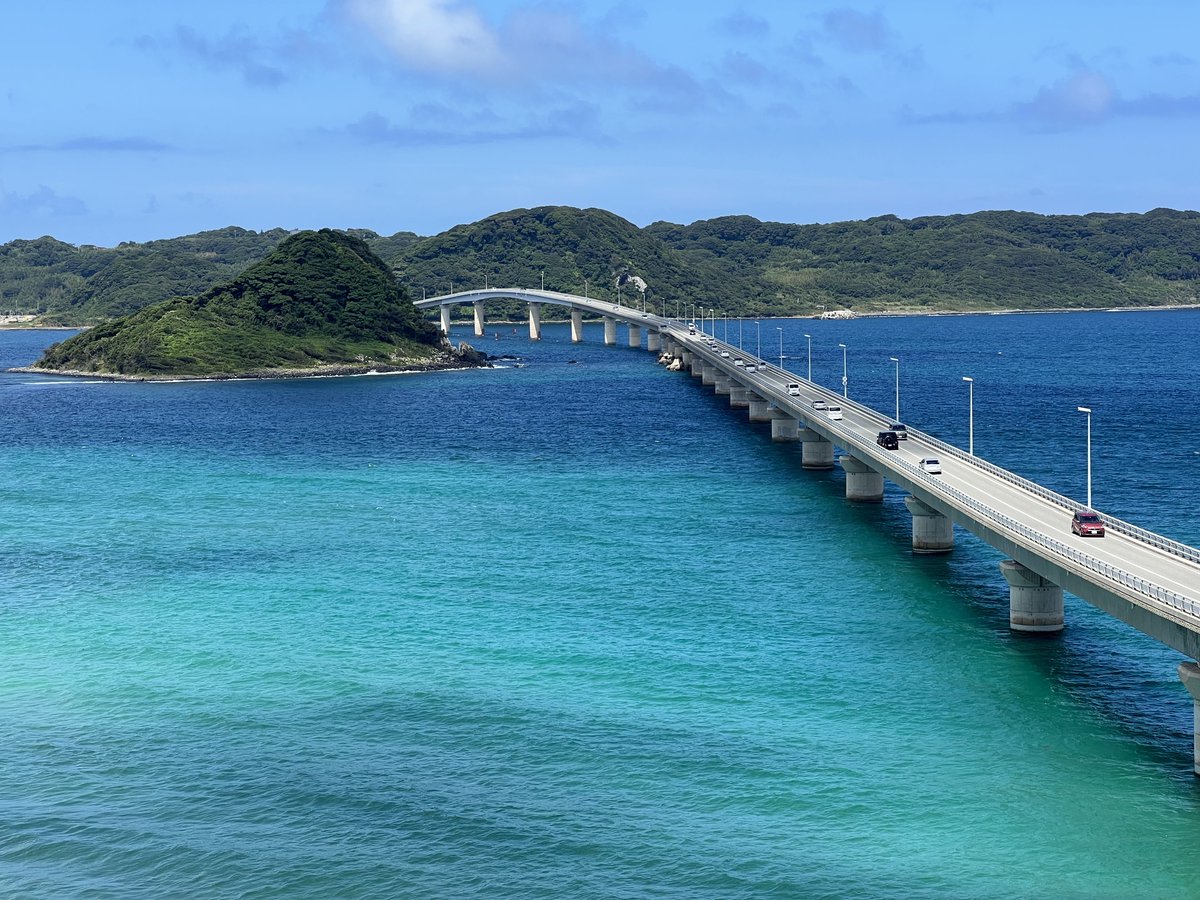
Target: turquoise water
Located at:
point(578, 629)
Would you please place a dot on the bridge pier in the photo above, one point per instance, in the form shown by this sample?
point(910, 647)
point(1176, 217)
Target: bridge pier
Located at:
point(654, 341)
point(610, 331)
point(535, 321)
point(445, 311)
point(635, 335)
point(739, 396)
point(697, 366)
point(1189, 674)
point(932, 532)
point(576, 326)
point(721, 383)
point(863, 484)
point(480, 322)
point(760, 408)
point(1034, 604)
point(784, 429)
point(708, 374)
point(817, 453)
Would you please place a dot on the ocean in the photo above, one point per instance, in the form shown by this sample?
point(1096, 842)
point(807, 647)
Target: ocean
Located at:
point(576, 628)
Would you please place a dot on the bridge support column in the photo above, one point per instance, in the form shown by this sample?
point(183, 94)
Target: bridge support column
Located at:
point(721, 383)
point(863, 484)
point(610, 332)
point(445, 318)
point(708, 374)
point(931, 531)
point(479, 320)
point(576, 326)
point(784, 429)
point(535, 321)
point(697, 366)
point(739, 396)
point(1034, 604)
point(760, 408)
point(817, 453)
point(635, 335)
point(654, 341)
point(1189, 674)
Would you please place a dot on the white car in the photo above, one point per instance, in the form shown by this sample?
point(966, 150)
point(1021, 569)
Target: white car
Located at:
point(793, 389)
point(833, 413)
point(930, 465)
point(751, 367)
point(818, 404)
point(724, 354)
point(739, 362)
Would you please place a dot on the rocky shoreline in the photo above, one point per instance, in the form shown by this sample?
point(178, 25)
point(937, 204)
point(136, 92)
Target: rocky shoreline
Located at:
point(462, 357)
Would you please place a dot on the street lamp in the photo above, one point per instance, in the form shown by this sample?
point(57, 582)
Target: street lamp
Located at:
point(970, 414)
point(740, 333)
point(897, 362)
point(809, 336)
point(845, 380)
point(780, 330)
point(1084, 409)
point(543, 280)
point(758, 353)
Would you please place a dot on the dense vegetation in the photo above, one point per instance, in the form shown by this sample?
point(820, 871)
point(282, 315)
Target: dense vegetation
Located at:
point(85, 285)
point(320, 298)
point(982, 261)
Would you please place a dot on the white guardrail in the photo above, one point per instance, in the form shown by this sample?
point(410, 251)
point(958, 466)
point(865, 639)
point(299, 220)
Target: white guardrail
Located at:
point(1120, 576)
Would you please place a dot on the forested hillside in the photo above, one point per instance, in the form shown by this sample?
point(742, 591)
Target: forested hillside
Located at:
point(320, 298)
point(738, 264)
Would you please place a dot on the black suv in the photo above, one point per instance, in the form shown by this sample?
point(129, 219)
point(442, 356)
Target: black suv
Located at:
point(888, 440)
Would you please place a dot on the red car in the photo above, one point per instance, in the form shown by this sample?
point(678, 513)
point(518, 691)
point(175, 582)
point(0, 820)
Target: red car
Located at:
point(1086, 523)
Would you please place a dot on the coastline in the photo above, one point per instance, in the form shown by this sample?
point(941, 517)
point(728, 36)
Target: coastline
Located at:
point(444, 363)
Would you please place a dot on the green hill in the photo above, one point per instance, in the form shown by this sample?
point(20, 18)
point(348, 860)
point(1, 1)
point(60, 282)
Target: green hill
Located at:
point(738, 264)
point(319, 299)
point(576, 250)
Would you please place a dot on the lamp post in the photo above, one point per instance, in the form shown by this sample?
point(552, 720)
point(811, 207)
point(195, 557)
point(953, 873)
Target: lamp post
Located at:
point(809, 336)
point(740, 333)
point(727, 328)
point(758, 352)
point(543, 279)
point(1084, 409)
point(897, 362)
point(970, 415)
point(845, 380)
point(780, 330)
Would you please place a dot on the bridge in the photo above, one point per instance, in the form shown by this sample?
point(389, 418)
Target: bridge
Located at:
point(1144, 579)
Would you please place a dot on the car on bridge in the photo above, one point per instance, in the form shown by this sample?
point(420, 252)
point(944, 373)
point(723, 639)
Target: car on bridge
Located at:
point(833, 413)
point(751, 367)
point(793, 389)
point(901, 431)
point(888, 440)
point(1086, 523)
point(724, 354)
point(739, 362)
point(930, 465)
point(818, 405)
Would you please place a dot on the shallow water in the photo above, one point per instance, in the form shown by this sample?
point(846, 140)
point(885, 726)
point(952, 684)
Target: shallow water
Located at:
point(578, 629)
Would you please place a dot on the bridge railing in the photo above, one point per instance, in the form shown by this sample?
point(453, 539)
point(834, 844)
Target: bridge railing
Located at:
point(1157, 541)
point(1120, 576)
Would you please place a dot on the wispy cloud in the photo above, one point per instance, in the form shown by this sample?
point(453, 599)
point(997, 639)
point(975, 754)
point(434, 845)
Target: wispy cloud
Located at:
point(437, 124)
point(1080, 100)
point(533, 47)
point(95, 145)
point(254, 61)
point(858, 32)
point(42, 202)
point(744, 25)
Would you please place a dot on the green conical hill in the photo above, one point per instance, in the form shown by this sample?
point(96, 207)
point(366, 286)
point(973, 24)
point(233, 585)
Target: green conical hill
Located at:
point(321, 298)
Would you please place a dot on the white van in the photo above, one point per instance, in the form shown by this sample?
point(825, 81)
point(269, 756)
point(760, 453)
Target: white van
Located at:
point(833, 413)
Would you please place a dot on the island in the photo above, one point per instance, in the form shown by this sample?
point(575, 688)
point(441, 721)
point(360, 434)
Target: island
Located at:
point(321, 303)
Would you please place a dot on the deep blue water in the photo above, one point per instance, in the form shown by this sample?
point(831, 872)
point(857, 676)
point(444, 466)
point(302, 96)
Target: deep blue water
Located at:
point(579, 629)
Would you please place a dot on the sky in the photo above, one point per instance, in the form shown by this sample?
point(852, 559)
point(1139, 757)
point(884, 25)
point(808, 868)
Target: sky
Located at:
point(141, 119)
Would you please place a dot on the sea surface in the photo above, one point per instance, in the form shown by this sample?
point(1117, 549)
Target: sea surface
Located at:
point(575, 628)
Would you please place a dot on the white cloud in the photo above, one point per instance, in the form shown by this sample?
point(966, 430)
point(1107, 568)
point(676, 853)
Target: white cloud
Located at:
point(446, 36)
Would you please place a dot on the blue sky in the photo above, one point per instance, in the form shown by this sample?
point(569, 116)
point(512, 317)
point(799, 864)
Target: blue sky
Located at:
point(141, 119)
